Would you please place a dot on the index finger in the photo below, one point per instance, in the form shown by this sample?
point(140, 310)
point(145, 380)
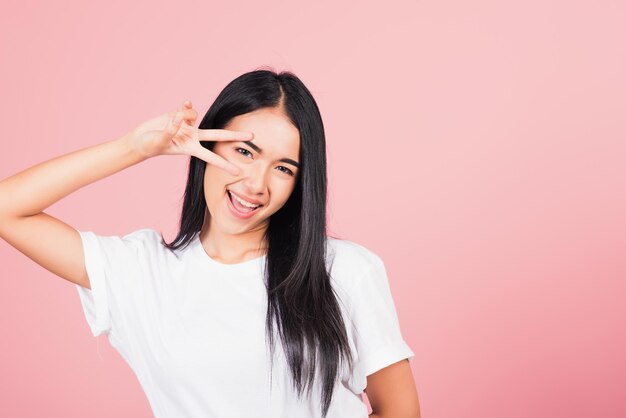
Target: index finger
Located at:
point(224, 135)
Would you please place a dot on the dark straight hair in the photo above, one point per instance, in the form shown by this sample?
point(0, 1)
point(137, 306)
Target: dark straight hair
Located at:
point(301, 300)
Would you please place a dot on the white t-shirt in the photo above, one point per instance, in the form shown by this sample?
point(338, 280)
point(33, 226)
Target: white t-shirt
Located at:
point(193, 329)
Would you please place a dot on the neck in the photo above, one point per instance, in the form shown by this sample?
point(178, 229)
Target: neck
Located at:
point(232, 248)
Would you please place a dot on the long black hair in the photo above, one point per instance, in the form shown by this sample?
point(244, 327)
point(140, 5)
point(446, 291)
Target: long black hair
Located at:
point(301, 299)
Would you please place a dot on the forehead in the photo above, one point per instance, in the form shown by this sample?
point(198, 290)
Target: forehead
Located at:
point(272, 130)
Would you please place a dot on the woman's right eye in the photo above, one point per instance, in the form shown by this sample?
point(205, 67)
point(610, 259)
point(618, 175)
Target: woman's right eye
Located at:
point(244, 151)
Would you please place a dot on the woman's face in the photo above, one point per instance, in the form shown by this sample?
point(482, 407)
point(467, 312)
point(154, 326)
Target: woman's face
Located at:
point(269, 171)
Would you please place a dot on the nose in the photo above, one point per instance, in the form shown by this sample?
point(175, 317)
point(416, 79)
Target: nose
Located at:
point(255, 178)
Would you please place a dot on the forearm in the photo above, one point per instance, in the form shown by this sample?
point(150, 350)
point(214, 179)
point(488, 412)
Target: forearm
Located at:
point(34, 189)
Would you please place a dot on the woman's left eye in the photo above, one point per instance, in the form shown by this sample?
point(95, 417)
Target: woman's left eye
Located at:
point(288, 171)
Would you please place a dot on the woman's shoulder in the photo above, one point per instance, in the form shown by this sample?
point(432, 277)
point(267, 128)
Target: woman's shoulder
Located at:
point(131, 240)
point(143, 236)
point(349, 257)
point(140, 241)
point(144, 233)
point(149, 245)
point(349, 248)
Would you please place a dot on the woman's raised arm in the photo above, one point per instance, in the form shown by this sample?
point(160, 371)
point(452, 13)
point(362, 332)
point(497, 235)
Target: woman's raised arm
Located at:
point(57, 246)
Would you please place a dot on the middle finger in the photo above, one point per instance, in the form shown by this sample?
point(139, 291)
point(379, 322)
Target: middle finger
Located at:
point(224, 135)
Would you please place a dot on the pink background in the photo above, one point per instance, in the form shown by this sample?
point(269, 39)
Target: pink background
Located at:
point(477, 147)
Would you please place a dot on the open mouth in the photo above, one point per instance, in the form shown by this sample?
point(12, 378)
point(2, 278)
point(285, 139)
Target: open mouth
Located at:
point(241, 206)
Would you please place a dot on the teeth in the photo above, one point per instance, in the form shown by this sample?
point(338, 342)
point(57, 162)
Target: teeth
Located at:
point(243, 202)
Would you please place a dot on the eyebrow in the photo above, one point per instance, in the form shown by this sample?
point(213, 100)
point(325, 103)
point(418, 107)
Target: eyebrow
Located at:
point(260, 151)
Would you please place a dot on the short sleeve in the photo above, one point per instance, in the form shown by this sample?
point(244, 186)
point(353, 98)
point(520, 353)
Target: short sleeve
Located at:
point(375, 326)
point(110, 262)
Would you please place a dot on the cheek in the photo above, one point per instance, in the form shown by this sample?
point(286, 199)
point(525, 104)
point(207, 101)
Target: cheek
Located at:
point(213, 183)
point(284, 193)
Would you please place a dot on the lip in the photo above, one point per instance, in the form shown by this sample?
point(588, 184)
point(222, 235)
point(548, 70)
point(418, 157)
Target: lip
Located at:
point(235, 212)
point(247, 199)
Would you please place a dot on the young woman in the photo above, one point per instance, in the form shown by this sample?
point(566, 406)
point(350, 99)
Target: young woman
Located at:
point(198, 319)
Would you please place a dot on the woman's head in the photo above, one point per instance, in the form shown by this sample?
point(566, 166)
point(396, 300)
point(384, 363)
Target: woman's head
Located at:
point(270, 169)
point(287, 124)
point(288, 127)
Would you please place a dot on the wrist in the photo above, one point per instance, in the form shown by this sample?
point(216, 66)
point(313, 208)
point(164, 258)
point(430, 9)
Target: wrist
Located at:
point(130, 144)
